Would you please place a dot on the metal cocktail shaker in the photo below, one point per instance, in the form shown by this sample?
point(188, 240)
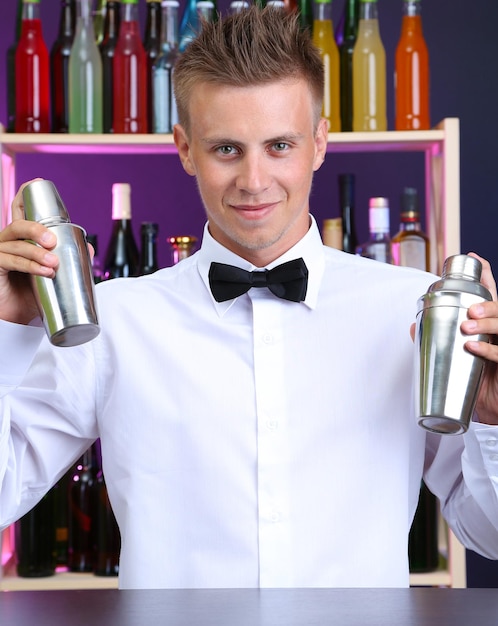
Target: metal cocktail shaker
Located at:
point(67, 301)
point(448, 376)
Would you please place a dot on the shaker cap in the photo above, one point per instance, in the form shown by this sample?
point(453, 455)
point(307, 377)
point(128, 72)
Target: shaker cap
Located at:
point(462, 266)
point(42, 203)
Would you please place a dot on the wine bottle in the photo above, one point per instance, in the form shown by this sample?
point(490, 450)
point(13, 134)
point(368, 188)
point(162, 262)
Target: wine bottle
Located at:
point(347, 206)
point(122, 257)
point(152, 46)
point(378, 246)
point(346, 63)
point(59, 67)
point(34, 540)
point(423, 551)
point(32, 74)
point(85, 75)
point(80, 536)
point(11, 72)
point(107, 48)
point(323, 38)
point(130, 74)
point(182, 247)
point(411, 76)
point(148, 251)
point(61, 519)
point(369, 72)
point(165, 114)
point(411, 245)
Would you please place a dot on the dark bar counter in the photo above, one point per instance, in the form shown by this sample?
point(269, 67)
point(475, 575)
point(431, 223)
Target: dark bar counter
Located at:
point(251, 607)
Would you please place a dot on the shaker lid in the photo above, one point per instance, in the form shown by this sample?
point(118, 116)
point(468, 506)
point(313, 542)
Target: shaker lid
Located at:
point(42, 203)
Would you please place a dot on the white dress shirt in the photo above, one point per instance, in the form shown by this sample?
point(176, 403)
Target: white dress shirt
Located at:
point(254, 442)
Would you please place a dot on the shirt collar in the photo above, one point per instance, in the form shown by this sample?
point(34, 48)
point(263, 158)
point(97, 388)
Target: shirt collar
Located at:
point(310, 248)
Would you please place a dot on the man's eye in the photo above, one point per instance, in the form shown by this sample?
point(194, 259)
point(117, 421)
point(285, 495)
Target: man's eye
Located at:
point(226, 150)
point(280, 146)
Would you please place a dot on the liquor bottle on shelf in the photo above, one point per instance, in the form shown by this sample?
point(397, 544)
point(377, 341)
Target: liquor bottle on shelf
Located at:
point(165, 114)
point(411, 74)
point(61, 519)
point(99, 20)
point(191, 20)
point(182, 247)
point(85, 75)
point(323, 38)
point(122, 256)
point(34, 540)
point(305, 8)
point(346, 63)
point(238, 5)
point(332, 232)
point(80, 536)
point(205, 10)
point(411, 245)
point(148, 250)
point(152, 46)
point(32, 74)
point(378, 246)
point(96, 264)
point(107, 536)
point(11, 72)
point(130, 74)
point(347, 206)
point(369, 72)
point(59, 67)
point(423, 551)
point(107, 48)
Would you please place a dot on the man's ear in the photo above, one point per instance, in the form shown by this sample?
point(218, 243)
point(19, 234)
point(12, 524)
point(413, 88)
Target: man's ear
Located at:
point(321, 139)
point(183, 147)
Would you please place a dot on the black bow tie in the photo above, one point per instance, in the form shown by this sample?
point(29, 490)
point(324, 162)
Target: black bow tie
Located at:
point(288, 281)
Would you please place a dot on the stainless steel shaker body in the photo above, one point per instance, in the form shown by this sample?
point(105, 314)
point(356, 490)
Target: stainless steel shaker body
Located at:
point(448, 376)
point(66, 302)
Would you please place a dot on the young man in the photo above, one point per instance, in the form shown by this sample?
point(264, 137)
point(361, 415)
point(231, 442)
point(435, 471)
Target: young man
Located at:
point(251, 436)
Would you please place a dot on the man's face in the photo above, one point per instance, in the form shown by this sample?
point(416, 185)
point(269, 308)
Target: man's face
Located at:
point(253, 151)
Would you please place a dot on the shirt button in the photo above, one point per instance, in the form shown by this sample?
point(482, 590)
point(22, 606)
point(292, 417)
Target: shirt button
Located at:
point(274, 517)
point(493, 457)
point(491, 443)
point(272, 424)
point(267, 338)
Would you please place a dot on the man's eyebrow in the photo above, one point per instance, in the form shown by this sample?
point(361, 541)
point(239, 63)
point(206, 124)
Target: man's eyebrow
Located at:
point(288, 137)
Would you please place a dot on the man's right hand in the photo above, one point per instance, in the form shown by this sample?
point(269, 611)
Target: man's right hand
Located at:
point(19, 258)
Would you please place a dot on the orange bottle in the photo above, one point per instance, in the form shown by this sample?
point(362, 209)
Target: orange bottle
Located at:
point(411, 78)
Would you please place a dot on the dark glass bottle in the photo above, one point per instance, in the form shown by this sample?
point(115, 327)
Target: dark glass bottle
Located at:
point(11, 73)
point(148, 251)
point(305, 8)
point(122, 257)
point(61, 519)
point(423, 552)
point(32, 74)
point(96, 264)
point(346, 63)
point(107, 48)
point(347, 206)
point(80, 536)
point(34, 540)
point(107, 536)
point(152, 45)
point(59, 67)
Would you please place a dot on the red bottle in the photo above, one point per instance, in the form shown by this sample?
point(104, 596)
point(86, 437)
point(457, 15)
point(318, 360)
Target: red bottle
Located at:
point(130, 74)
point(32, 74)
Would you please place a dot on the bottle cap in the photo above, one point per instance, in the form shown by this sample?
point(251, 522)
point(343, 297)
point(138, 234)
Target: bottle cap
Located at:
point(121, 201)
point(378, 215)
point(149, 228)
point(170, 3)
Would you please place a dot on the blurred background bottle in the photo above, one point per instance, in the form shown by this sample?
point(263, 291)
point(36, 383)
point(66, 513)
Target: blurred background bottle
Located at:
point(182, 246)
point(59, 67)
point(410, 245)
point(85, 75)
point(32, 74)
point(34, 540)
point(164, 111)
point(423, 550)
point(152, 46)
point(122, 256)
point(323, 38)
point(347, 206)
point(351, 16)
point(305, 8)
point(130, 74)
point(148, 248)
point(332, 232)
point(107, 48)
point(411, 85)
point(378, 246)
point(98, 275)
point(190, 22)
point(98, 21)
point(369, 72)
point(11, 72)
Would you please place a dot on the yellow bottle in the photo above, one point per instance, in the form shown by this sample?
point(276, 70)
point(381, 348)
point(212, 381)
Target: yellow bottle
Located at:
point(369, 72)
point(324, 40)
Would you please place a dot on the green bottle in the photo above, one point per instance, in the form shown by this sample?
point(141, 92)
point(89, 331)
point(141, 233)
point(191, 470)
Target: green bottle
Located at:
point(85, 75)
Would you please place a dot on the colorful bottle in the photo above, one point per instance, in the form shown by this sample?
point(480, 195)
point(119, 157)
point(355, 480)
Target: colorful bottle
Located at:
point(122, 257)
point(85, 75)
point(347, 206)
point(34, 540)
point(410, 245)
point(59, 67)
point(32, 74)
point(182, 247)
point(148, 250)
point(11, 72)
point(152, 46)
point(369, 72)
point(107, 48)
point(130, 74)
point(411, 76)
point(346, 49)
point(378, 246)
point(99, 20)
point(323, 38)
point(165, 114)
point(191, 20)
